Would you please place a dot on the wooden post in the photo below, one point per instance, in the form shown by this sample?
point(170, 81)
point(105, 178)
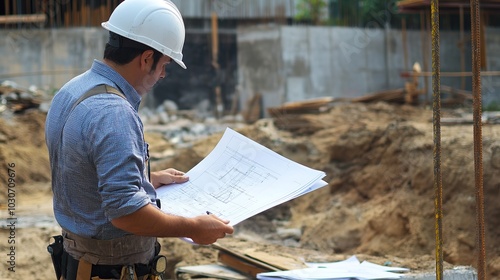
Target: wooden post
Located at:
point(108, 9)
point(219, 108)
point(215, 38)
point(75, 19)
point(82, 13)
point(14, 8)
point(47, 9)
point(7, 8)
point(58, 9)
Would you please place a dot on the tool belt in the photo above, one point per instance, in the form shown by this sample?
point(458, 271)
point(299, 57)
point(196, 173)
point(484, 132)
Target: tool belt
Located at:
point(130, 257)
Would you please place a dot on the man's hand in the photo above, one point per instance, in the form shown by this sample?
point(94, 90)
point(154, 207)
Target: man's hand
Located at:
point(210, 228)
point(167, 176)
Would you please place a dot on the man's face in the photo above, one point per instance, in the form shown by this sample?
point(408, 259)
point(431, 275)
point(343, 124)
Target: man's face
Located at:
point(152, 76)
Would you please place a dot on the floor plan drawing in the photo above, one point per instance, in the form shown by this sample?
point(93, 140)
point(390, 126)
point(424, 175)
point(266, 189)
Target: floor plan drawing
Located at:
point(238, 179)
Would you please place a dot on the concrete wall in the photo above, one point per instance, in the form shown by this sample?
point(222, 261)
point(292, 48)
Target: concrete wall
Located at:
point(490, 85)
point(48, 58)
point(283, 63)
point(291, 63)
point(261, 65)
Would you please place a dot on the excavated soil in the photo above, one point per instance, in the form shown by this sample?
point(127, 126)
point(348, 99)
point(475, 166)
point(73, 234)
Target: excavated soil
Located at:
point(379, 204)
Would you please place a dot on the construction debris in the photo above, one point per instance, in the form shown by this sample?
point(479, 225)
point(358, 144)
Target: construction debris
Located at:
point(292, 116)
point(17, 99)
point(241, 265)
point(255, 264)
point(455, 97)
point(486, 118)
point(316, 105)
point(391, 96)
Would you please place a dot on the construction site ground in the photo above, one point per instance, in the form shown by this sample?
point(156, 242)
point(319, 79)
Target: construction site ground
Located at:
point(379, 204)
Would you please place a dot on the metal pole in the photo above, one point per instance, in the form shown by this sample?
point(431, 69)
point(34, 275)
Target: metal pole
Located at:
point(436, 105)
point(478, 148)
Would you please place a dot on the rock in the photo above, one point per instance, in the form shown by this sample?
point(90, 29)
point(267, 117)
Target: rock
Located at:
point(289, 233)
point(170, 107)
point(163, 118)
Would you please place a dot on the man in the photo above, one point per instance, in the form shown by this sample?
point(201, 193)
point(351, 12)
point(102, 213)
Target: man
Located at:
point(104, 200)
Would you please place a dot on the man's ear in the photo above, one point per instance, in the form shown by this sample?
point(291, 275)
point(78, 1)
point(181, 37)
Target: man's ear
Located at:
point(146, 60)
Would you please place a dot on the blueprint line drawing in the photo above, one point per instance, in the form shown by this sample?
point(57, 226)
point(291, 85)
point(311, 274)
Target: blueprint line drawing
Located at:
point(238, 179)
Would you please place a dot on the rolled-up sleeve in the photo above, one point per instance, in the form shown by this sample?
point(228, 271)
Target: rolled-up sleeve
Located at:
point(118, 150)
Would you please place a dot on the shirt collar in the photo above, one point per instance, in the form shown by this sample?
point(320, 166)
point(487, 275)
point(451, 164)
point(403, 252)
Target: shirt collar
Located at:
point(115, 78)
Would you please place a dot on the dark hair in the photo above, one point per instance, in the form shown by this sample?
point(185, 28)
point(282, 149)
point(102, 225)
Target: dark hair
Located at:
point(122, 50)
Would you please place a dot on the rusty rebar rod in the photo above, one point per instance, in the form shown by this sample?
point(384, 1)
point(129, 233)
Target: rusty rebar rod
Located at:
point(436, 106)
point(478, 143)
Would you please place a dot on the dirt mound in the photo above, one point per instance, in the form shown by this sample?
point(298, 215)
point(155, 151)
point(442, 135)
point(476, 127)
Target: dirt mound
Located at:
point(379, 202)
point(22, 142)
point(380, 199)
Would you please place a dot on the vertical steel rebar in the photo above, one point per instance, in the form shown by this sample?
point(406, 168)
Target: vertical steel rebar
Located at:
point(436, 106)
point(478, 141)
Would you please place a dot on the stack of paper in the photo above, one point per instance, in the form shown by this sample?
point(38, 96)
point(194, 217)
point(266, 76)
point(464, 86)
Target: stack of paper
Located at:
point(238, 179)
point(348, 269)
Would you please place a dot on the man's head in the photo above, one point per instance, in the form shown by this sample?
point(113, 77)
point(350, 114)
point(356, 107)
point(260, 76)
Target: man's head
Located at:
point(137, 25)
point(122, 50)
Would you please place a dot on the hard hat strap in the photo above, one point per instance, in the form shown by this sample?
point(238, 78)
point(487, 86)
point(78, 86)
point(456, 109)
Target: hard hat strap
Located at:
point(118, 41)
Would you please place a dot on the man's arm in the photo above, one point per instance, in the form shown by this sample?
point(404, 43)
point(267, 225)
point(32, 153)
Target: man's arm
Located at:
point(150, 221)
point(167, 176)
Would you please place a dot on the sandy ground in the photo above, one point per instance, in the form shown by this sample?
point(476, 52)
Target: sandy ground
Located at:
point(379, 204)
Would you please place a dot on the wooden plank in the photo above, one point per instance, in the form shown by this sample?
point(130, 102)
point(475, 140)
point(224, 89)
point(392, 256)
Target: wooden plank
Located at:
point(316, 105)
point(240, 264)
point(210, 270)
point(279, 261)
point(243, 258)
point(35, 18)
point(394, 95)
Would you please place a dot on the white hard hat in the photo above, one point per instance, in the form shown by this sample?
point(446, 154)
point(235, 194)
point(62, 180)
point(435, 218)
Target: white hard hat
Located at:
point(155, 23)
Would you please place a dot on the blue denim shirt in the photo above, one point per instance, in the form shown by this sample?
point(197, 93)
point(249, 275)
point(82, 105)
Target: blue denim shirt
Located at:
point(98, 160)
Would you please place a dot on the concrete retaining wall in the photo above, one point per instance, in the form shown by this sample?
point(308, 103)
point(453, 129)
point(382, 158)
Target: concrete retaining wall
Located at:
point(286, 63)
point(283, 63)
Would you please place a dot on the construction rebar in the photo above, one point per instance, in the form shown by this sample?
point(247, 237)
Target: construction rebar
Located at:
point(478, 143)
point(436, 106)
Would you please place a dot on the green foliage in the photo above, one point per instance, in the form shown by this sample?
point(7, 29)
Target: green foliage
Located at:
point(493, 106)
point(379, 12)
point(360, 13)
point(310, 11)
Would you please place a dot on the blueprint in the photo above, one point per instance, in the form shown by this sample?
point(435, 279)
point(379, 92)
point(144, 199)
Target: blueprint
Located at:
point(238, 179)
point(349, 269)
